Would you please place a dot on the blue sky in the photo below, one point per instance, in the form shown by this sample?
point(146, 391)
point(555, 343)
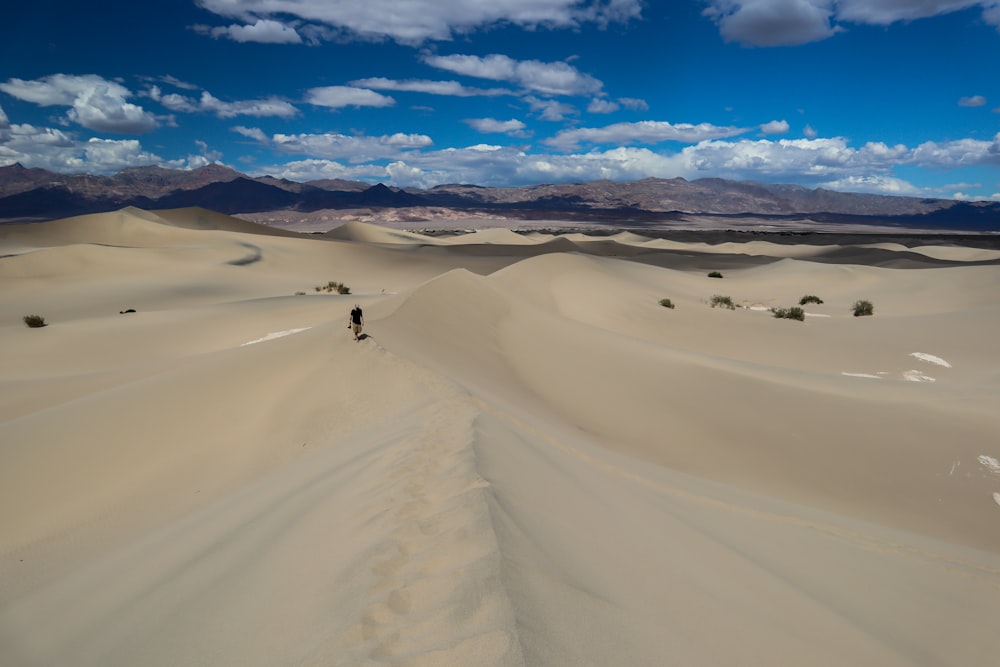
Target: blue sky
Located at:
point(886, 96)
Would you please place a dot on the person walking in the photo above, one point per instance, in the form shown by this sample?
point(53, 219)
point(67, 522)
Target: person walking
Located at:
point(357, 321)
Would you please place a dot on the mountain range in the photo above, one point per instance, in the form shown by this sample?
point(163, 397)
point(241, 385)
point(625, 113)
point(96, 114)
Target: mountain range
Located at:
point(38, 194)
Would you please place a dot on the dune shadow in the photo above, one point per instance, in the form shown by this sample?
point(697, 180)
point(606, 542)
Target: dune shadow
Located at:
point(255, 255)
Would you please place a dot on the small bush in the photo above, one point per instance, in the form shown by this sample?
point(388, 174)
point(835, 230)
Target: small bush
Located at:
point(666, 303)
point(862, 307)
point(300, 294)
point(714, 274)
point(34, 321)
point(810, 298)
point(793, 313)
point(722, 301)
point(339, 288)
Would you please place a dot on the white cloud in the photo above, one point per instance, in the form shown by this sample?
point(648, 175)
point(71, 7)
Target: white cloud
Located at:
point(315, 169)
point(958, 153)
point(354, 148)
point(775, 127)
point(4, 121)
point(885, 12)
point(877, 184)
point(55, 150)
point(831, 163)
point(974, 101)
point(491, 125)
point(417, 21)
point(550, 109)
point(272, 106)
point(991, 14)
point(809, 132)
point(793, 22)
point(114, 155)
point(552, 78)
point(264, 31)
point(602, 105)
point(812, 158)
point(209, 155)
point(337, 97)
point(254, 133)
point(772, 22)
point(95, 103)
point(177, 83)
point(452, 88)
point(58, 89)
point(646, 132)
point(633, 103)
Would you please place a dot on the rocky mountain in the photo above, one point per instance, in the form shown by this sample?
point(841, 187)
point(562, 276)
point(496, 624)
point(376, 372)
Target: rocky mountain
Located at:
point(29, 193)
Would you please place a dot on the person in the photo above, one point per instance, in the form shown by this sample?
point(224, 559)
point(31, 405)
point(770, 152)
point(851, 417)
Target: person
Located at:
point(357, 321)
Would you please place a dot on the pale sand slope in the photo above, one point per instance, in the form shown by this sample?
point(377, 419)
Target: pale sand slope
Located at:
point(527, 462)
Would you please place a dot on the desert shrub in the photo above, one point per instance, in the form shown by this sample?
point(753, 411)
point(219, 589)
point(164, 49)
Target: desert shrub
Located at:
point(34, 321)
point(666, 303)
point(300, 294)
point(722, 301)
point(810, 298)
point(863, 307)
point(793, 313)
point(714, 274)
point(332, 286)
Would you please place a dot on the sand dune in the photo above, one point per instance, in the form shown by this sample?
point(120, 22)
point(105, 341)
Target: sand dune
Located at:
point(526, 461)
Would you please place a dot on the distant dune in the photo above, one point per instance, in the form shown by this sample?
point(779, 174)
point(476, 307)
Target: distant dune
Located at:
point(526, 460)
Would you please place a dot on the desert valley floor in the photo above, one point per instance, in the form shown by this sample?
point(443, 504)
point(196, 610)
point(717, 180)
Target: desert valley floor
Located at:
point(526, 460)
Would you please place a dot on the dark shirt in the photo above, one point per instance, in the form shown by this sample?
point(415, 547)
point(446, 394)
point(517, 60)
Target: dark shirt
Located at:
point(356, 316)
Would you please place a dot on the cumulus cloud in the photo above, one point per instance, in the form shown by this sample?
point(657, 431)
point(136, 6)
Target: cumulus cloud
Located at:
point(793, 22)
point(552, 78)
point(877, 183)
point(417, 21)
point(353, 148)
point(772, 22)
point(974, 101)
point(55, 150)
point(313, 169)
point(775, 127)
point(451, 88)
point(646, 132)
point(832, 163)
point(958, 153)
point(264, 31)
point(270, 107)
point(337, 97)
point(4, 121)
point(512, 127)
point(94, 102)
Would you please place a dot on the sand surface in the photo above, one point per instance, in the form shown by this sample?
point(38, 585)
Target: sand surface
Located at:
point(526, 460)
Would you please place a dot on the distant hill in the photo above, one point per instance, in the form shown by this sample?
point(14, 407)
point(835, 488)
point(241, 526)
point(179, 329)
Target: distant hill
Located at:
point(30, 193)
